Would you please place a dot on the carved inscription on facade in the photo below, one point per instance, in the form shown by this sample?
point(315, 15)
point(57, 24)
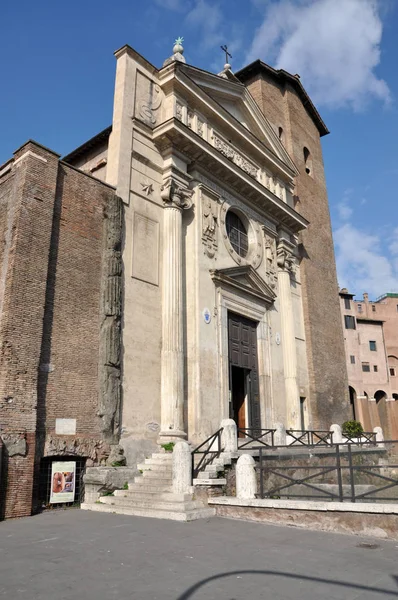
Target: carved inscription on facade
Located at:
point(209, 223)
point(145, 249)
point(235, 157)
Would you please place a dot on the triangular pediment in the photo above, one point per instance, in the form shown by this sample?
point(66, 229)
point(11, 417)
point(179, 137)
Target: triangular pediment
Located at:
point(245, 279)
point(234, 97)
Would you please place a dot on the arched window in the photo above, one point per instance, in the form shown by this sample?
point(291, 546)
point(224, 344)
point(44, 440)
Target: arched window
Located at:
point(237, 233)
point(307, 161)
point(281, 135)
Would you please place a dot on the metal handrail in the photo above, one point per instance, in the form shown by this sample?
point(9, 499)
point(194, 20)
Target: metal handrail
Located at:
point(310, 437)
point(208, 454)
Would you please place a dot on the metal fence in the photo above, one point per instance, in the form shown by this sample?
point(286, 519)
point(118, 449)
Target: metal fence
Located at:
point(343, 473)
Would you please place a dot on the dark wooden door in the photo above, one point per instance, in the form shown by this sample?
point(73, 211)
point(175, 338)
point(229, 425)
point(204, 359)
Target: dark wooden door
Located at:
point(242, 343)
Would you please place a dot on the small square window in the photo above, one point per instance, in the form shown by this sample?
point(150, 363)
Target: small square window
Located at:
point(352, 359)
point(359, 308)
point(349, 322)
point(392, 371)
point(365, 367)
point(372, 346)
point(347, 303)
point(375, 369)
point(373, 308)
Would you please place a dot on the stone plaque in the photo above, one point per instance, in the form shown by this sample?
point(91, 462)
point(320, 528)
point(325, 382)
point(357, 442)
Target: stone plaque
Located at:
point(65, 426)
point(145, 264)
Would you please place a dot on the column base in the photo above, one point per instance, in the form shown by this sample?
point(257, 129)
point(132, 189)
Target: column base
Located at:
point(171, 435)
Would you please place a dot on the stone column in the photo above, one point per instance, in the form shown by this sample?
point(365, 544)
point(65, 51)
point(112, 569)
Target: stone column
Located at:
point(176, 198)
point(285, 260)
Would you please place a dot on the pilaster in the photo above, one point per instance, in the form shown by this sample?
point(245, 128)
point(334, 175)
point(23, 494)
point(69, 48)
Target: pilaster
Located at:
point(285, 262)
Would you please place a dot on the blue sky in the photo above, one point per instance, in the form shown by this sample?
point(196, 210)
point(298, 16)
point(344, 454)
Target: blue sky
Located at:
point(58, 73)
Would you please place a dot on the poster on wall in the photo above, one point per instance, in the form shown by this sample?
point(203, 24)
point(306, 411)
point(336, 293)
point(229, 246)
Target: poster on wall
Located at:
point(62, 482)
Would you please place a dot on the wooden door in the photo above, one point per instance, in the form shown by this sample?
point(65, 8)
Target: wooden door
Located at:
point(242, 343)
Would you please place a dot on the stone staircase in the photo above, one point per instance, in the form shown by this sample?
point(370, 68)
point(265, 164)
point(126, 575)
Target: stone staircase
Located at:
point(151, 495)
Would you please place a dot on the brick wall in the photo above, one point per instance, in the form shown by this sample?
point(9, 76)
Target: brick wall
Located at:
point(51, 252)
point(324, 338)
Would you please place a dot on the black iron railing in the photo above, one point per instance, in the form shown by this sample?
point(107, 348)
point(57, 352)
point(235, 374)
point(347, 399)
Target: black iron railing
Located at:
point(206, 452)
point(309, 437)
point(343, 476)
point(246, 437)
point(366, 437)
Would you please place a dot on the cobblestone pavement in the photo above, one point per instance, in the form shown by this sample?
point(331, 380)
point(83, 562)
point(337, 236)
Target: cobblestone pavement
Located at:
point(73, 554)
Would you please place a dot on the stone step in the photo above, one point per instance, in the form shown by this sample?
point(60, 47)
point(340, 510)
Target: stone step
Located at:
point(163, 468)
point(154, 495)
point(151, 503)
point(158, 475)
point(214, 467)
point(142, 486)
point(200, 513)
point(207, 474)
point(219, 482)
point(161, 456)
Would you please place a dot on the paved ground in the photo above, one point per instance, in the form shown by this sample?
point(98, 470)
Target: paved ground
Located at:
point(73, 554)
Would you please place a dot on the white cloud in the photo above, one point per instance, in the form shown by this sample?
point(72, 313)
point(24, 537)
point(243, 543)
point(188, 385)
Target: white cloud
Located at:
point(393, 246)
point(361, 265)
point(177, 5)
point(343, 208)
point(333, 44)
point(207, 17)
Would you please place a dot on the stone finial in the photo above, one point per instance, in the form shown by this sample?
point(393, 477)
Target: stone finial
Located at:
point(246, 481)
point(337, 437)
point(229, 436)
point(178, 53)
point(280, 434)
point(379, 436)
point(182, 468)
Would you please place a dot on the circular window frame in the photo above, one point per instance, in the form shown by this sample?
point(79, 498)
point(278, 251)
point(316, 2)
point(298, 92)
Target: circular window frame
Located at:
point(255, 249)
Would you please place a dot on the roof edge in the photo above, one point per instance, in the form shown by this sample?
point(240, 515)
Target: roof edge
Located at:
point(88, 145)
point(280, 74)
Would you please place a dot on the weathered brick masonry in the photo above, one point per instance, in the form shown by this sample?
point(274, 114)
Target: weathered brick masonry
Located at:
point(52, 240)
point(283, 101)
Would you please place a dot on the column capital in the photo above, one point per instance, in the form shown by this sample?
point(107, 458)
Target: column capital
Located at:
point(285, 256)
point(175, 195)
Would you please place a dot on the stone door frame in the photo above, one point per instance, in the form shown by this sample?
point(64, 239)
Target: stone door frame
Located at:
point(256, 310)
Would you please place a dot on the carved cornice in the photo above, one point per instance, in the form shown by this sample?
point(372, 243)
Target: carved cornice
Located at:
point(174, 195)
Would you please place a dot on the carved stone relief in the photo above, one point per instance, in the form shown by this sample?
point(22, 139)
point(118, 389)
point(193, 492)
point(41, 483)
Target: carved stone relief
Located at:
point(179, 111)
point(209, 223)
point(237, 158)
point(110, 330)
point(200, 127)
point(148, 99)
point(190, 119)
point(175, 195)
point(270, 257)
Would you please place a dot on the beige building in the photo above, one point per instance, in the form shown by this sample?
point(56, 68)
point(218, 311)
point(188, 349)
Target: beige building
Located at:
point(224, 273)
point(179, 270)
point(371, 342)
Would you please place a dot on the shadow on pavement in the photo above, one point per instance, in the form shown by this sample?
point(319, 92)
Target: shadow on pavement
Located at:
point(345, 584)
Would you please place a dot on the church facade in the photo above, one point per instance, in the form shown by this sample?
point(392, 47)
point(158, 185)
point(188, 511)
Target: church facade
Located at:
point(213, 286)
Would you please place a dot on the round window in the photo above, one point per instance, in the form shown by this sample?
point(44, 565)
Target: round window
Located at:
point(237, 233)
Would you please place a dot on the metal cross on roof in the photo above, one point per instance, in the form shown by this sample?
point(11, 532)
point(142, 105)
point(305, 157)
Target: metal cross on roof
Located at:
point(225, 49)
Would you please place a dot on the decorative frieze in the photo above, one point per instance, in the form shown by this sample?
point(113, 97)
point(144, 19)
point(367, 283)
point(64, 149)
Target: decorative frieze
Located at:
point(238, 159)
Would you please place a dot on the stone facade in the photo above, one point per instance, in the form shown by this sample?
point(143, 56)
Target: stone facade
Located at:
point(283, 100)
point(214, 217)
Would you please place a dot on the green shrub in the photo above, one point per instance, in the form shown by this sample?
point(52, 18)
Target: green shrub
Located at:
point(169, 446)
point(352, 429)
point(125, 485)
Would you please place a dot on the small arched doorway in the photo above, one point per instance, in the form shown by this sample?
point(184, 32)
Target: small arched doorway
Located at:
point(353, 397)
